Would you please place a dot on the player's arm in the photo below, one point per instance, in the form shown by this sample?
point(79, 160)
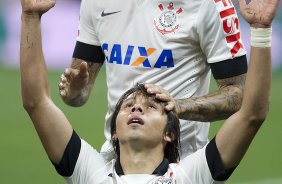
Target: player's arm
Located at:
point(78, 80)
point(237, 132)
point(227, 61)
point(215, 106)
point(50, 123)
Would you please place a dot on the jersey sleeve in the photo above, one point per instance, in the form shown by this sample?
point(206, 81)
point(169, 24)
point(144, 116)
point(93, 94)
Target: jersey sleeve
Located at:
point(86, 29)
point(88, 163)
point(194, 168)
point(205, 165)
point(88, 46)
point(215, 163)
point(80, 161)
point(218, 31)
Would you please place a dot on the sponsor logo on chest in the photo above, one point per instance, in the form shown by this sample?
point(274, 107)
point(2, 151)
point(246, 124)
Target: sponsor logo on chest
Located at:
point(138, 56)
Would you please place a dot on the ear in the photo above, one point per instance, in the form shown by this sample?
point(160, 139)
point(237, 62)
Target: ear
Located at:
point(167, 138)
point(114, 137)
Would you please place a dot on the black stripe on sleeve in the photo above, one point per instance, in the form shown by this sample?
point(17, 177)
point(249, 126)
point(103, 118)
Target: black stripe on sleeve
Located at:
point(229, 68)
point(89, 53)
point(68, 162)
point(215, 164)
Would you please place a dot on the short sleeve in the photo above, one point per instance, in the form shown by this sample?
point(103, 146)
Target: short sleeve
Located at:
point(88, 163)
point(195, 168)
point(86, 30)
point(218, 31)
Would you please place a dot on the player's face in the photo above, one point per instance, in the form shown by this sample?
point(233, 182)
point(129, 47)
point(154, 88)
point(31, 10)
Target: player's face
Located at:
point(141, 119)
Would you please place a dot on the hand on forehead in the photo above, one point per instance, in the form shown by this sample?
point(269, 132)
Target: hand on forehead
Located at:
point(144, 99)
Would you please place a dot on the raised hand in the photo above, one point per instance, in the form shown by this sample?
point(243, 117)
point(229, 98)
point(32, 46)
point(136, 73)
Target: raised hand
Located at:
point(37, 6)
point(259, 13)
point(73, 81)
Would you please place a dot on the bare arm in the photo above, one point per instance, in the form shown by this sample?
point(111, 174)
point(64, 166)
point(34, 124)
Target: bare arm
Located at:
point(215, 106)
point(77, 82)
point(235, 136)
point(50, 123)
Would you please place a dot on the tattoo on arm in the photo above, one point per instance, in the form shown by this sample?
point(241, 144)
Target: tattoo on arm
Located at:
point(215, 106)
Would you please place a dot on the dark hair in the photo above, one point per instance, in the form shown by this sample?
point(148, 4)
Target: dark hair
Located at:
point(172, 128)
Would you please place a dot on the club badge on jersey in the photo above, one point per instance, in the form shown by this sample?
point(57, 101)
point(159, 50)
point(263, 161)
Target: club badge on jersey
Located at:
point(167, 21)
point(168, 178)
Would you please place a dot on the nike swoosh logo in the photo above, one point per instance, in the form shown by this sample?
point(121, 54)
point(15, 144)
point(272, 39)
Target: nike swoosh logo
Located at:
point(110, 13)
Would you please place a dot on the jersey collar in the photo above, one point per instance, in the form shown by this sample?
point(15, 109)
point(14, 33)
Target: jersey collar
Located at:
point(159, 171)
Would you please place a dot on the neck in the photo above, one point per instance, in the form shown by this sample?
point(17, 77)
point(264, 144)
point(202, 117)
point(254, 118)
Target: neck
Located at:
point(140, 160)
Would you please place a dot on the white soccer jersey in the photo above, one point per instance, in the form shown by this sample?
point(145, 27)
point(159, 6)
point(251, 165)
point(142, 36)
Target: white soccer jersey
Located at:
point(91, 168)
point(167, 43)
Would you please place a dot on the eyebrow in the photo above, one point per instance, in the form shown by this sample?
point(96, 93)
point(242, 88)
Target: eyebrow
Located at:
point(127, 99)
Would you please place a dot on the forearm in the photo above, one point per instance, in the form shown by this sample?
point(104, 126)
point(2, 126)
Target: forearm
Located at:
point(238, 131)
point(215, 106)
point(33, 69)
point(259, 77)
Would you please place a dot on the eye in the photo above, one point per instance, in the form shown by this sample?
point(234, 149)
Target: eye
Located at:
point(151, 106)
point(127, 104)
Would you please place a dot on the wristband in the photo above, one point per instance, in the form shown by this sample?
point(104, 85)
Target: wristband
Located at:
point(261, 37)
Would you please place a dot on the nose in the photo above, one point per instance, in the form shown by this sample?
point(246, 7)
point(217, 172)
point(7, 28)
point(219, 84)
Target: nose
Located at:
point(137, 108)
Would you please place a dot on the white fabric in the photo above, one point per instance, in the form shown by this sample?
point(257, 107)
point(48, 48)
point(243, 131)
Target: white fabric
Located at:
point(261, 37)
point(175, 43)
point(91, 168)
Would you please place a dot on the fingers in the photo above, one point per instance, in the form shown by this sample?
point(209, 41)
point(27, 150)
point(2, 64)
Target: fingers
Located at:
point(67, 72)
point(40, 7)
point(63, 86)
point(83, 70)
point(64, 82)
point(63, 93)
point(72, 81)
point(161, 94)
point(163, 97)
point(242, 4)
point(170, 106)
point(154, 89)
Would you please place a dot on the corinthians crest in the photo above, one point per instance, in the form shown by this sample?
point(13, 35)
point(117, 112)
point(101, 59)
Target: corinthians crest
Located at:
point(167, 21)
point(168, 178)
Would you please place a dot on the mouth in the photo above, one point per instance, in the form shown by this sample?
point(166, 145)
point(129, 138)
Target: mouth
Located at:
point(135, 120)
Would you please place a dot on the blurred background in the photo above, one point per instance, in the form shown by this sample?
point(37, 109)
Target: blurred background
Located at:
point(22, 158)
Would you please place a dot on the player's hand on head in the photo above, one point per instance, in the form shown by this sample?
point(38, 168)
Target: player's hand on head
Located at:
point(163, 95)
point(37, 6)
point(259, 13)
point(73, 81)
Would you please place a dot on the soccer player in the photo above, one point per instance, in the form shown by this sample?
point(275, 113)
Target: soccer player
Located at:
point(171, 46)
point(144, 133)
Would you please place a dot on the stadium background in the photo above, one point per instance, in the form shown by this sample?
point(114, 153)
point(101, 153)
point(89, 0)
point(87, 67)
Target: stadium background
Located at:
point(22, 158)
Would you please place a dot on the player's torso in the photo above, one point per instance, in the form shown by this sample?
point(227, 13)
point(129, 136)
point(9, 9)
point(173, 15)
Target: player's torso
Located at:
point(150, 41)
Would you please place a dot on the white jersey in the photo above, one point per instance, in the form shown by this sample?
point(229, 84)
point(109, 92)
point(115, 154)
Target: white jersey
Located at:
point(91, 168)
point(167, 43)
